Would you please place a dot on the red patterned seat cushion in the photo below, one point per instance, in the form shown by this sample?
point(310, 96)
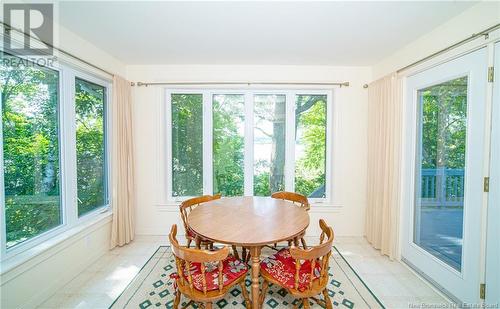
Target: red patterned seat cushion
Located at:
point(281, 266)
point(232, 270)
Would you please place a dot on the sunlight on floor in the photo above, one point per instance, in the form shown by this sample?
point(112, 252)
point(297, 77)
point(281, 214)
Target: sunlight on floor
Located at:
point(103, 281)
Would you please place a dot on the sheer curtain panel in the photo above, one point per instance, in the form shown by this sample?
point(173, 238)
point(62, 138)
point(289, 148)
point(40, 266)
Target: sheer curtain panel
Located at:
point(384, 155)
point(123, 183)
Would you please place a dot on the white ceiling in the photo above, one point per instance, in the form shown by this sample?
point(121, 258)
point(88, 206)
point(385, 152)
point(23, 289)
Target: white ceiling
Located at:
point(304, 33)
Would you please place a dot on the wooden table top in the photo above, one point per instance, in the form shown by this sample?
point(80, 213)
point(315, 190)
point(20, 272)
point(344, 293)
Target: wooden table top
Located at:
point(248, 221)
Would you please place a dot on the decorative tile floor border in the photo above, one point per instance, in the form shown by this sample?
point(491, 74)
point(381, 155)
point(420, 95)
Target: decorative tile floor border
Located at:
point(153, 288)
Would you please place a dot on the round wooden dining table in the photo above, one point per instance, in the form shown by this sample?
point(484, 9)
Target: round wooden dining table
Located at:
point(250, 222)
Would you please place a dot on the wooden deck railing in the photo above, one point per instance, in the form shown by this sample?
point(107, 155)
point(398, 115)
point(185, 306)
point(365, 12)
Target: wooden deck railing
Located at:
point(442, 187)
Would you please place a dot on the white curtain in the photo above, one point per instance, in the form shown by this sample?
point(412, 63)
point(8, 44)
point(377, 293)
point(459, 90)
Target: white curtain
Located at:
point(122, 161)
point(384, 154)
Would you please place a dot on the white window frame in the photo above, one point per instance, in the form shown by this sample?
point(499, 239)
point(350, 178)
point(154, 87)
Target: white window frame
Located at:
point(248, 137)
point(67, 161)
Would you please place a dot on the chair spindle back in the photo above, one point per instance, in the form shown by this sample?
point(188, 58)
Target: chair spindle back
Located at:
point(317, 254)
point(185, 257)
point(188, 205)
point(293, 197)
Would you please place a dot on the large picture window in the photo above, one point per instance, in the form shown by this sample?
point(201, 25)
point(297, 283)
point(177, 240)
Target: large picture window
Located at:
point(248, 142)
point(30, 128)
point(90, 100)
point(187, 134)
point(269, 144)
point(228, 144)
point(310, 145)
point(48, 183)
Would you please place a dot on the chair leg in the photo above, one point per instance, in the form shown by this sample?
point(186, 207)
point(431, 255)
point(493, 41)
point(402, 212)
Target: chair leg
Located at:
point(247, 260)
point(235, 252)
point(265, 285)
point(305, 302)
point(303, 241)
point(177, 299)
point(189, 242)
point(244, 291)
point(243, 253)
point(198, 242)
point(328, 302)
point(208, 305)
point(296, 242)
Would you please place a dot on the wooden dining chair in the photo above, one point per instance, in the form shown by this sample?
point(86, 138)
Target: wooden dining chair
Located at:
point(300, 201)
point(304, 273)
point(206, 276)
point(185, 208)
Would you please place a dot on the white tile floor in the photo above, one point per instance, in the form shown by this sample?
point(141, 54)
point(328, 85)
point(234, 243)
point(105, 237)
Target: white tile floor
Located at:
point(97, 287)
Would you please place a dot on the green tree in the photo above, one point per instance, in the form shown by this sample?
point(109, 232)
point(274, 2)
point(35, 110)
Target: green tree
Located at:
point(187, 141)
point(310, 168)
point(90, 150)
point(30, 149)
point(228, 144)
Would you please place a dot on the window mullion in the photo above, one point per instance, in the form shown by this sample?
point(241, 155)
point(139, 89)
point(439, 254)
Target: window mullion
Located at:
point(207, 144)
point(248, 158)
point(290, 142)
point(67, 124)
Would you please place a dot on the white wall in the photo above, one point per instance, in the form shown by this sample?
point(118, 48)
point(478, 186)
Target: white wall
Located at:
point(155, 214)
point(474, 20)
point(477, 18)
point(30, 283)
point(56, 262)
point(85, 50)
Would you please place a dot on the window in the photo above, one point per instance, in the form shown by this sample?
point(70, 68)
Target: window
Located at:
point(30, 127)
point(248, 142)
point(187, 134)
point(269, 144)
point(90, 100)
point(310, 145)
point(228, 144)
point(48, 183)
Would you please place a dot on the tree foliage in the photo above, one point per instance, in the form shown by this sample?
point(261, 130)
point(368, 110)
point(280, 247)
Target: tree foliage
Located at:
point(228, 144)
point(444, 124)
point(310, 167)
point(187, 144)
point(31, 148)
point(90, 148)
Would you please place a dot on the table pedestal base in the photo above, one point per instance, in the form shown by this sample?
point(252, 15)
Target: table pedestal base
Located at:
point(255, 254)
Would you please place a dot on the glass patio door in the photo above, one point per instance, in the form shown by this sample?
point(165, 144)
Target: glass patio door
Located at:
point(445, 173)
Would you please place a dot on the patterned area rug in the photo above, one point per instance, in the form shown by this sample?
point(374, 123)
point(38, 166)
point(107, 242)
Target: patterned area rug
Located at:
point(153, 288)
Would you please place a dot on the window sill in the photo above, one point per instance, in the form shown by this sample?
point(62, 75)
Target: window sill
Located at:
point(57, 243)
